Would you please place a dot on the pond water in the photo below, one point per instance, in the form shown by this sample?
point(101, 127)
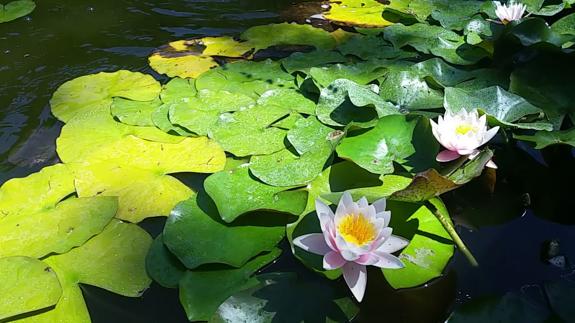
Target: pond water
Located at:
point(65, 39)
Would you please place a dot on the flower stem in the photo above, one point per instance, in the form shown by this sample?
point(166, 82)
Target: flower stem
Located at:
point(441, 214)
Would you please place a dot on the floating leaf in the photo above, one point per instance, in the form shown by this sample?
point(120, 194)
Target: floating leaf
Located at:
point(44, 190)
point(335, 109)
point(95, 92)
point(288, 98)
point(195, 233)
point(27, 285)
point(250, 195)
point(202, 291)
point(266, 36)
point(565, 25)
point(135, 113)
point(161, 119)
point(409, 90)
point(429, 250)
point(376, 149)
point(361, 73)
point(16, 9)
point(304, 61)
point(113, 260)
point(434, 40)
point(57, 230)
point(361, 13)
point(543, 139)
point(391, 184)
point(249, 78)
point(162, 266)
point(507, 108)
point(96, 138)
point(178, 89)
point(370, 47)
point(284, 297)
point(141, 193)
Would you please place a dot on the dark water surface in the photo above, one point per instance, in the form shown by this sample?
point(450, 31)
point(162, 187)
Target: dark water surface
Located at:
point(65, 39)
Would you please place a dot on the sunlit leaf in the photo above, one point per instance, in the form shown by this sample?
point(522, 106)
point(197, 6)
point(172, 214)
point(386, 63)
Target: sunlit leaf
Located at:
point(16, 9)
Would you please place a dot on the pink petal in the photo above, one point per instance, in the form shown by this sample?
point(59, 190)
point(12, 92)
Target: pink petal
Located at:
point(446, 156)
point(367, 259)
point(393, 244)
point(313, 242)
point(333, 260)
point(356, 279)
point(385, 260)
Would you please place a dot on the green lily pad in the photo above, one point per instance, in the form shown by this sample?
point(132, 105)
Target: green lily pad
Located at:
point(203, 291)
point(360, 13)
point(455, 15)
point(113, 260)
point(195, 233)
point(141, 193)
point(391, 184)
point(434, 40)
point(95, 92)
point(289, 99)
point(544, 139)
point(265, 36)
point(16, 9)
point(161, 120)
point(376, 149)
point(288, 122)
point(44, 190)
point(247, 132)
point(248, 78)
point(250, 195)
point(96, 138)
point(135, 113)
point(361, 73)
point(409, 90)
point(565, 25)
point(27, 285)
point(284, 297)
point(178, 89)
point(507, 108)
point(429, 250)
point(371, 48)
point(190, 119)
point(335, 108)
point(304, 61)
point(162, 266)
point(70, 224)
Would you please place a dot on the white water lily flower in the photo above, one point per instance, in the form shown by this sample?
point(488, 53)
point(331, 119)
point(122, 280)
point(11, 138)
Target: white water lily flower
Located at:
point(509, 12)
point(461, 134)
point(356, 236)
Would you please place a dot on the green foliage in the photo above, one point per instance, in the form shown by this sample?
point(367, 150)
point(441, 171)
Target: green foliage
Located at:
point(16, 9)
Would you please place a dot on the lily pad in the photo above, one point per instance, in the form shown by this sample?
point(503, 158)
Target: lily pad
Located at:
point(162, 266)
point(135, 113)
point(544, 139)
point(361, 13)
point(28, 285)
point(70, 224)
point(161, 120)
point(304, 61)
point(96, 138)
point(434, 40)
point(289, 99)
point(195, 233)
point(113, 260)
point(16, 9)
point(203, 291)
point(178, 89)
point(95, 92)
point(284, 297)
point(265, 36)
point(565, 25)
point(44, 190)
point(429, 250)
point(507, 108)
point(409, 90)
point(249, 78)
point(377, 149)
point(361, 73)
point(141, 193)
point(370, 47)
point(250, 195)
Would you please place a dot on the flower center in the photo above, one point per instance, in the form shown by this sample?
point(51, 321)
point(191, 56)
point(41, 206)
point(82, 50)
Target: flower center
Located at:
point(465, 128)
point(356, 229)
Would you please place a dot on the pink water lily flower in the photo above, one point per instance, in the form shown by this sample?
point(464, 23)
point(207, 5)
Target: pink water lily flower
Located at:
point(509, 12)
point(461, 134)
point(356, 236)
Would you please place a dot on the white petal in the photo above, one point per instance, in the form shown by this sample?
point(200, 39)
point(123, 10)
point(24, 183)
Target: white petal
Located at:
point(313, 242)
point(344, 206)
point(333, 260)
point(379, 205)
point(356, 279)
point(491, 164)
point(362, 203)
point(393, 244)
point(387, 260)
point(489, 135)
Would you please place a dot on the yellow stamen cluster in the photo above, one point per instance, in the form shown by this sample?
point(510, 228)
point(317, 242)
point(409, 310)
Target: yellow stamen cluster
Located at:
point(356, 229)
point(465, 128)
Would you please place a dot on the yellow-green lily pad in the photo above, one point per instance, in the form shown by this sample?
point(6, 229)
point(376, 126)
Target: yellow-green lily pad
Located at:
point(16, 9)
point(178, 89)
point(135, 113)
point(70, 224)
point(359, 13)
point(89, 92)
point(265, 36)
point(27, 285)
